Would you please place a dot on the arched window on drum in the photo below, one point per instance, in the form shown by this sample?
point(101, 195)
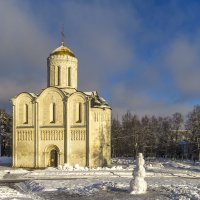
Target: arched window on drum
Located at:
point(69, 76)
point(58, 76)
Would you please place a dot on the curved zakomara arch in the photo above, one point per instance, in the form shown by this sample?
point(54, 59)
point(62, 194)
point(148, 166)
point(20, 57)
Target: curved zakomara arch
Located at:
point(77, 116)
point(79, 94)
point(51, 89)
point(31, 96)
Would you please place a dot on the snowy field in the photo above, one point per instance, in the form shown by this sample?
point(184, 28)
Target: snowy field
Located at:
point(166, 179)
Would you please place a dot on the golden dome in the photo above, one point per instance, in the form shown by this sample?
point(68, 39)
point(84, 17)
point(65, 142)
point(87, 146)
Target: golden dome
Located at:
point(62, 50)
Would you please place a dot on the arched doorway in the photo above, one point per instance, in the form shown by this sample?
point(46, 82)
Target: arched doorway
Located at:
point(53, 158)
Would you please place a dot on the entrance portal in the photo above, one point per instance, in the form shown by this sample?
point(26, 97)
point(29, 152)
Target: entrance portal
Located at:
point(53, 158)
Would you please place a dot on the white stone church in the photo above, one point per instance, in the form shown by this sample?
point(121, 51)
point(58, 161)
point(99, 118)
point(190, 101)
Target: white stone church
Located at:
point(61, 124)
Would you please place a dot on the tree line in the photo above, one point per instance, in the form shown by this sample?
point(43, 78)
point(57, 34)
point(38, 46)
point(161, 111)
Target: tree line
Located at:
point(156, 136)
point(5, 133)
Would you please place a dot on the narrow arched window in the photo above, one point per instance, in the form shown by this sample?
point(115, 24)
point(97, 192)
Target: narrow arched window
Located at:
point(52, 113)
point(59, 76)
point(25, 114)
point(69, 76)
point(78, 112)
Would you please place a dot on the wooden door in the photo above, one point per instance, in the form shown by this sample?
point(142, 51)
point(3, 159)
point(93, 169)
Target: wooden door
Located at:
point(53, 158)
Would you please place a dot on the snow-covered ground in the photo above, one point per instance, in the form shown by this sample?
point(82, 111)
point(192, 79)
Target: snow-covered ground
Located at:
point(166, 179)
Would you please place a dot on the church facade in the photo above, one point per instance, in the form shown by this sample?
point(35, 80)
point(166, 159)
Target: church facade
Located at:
point(61, 124)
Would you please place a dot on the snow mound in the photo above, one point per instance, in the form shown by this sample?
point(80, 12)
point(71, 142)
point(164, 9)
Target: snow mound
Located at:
point(17, 171)
point(123, 161)
point(60, 167)
point(50, 169)
point(154, 165)
point(76, 167)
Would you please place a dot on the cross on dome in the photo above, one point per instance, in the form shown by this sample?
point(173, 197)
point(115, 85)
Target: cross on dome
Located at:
point(62, 36)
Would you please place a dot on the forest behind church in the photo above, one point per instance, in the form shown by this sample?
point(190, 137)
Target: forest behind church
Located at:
point(155, 136)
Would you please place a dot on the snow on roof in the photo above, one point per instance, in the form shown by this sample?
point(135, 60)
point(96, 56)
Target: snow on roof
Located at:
point(90, 93)
point(32, 94)
point(97, 100)
point(102, 99)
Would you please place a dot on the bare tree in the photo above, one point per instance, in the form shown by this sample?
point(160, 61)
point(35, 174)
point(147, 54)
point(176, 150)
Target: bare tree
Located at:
point(164, 136)
point(117, 145)
point(127, 134)
point(5, 133)
point(177, 122)
point(193, 124)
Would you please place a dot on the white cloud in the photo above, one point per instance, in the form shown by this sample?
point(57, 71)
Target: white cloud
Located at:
point(183, 60)
point(97, 33)
point(23, 51)
point(140, 103)
point(99, 38)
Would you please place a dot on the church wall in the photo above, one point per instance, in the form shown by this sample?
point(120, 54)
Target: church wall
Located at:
point(50, 126)
point(78, 146)
point(50, 137)
point(99, 134)
point(24, 131)
point(25, 156)
point(107, 134)
point(77, 130)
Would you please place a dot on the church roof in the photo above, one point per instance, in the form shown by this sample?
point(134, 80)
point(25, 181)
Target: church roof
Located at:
point(97, 101)
point(62, 50)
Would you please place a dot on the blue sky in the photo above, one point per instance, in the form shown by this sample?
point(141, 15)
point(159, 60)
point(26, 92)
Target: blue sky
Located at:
point(142, 56)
